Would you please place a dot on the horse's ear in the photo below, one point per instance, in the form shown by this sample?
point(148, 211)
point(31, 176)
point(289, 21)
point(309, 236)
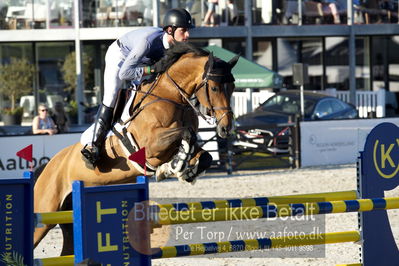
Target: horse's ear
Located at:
point(210, 61)
point(234, 61)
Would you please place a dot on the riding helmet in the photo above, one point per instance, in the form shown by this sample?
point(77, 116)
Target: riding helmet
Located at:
point(178, 18)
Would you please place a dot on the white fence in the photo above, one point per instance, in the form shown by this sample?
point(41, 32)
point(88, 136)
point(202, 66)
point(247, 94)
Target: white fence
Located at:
point(366, 101)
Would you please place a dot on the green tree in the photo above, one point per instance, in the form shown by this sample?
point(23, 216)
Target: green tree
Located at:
point(68, 70)
point(16, 79)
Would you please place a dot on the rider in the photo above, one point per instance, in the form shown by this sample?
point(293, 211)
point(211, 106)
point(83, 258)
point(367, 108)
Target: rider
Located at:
point(130, 58)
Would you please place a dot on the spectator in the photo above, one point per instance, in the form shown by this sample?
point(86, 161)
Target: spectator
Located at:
point(209, 20)
point(59, 117)
point(43, 123)
point(333, 5)
point(232, 13)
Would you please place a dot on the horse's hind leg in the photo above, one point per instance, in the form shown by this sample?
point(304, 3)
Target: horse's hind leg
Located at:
point(67, 229)
point(40, 233)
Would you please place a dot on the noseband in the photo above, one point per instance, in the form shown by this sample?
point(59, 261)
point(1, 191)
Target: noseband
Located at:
point(204, 83)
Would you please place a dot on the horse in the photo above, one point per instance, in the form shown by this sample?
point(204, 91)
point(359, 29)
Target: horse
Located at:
point(162, 118)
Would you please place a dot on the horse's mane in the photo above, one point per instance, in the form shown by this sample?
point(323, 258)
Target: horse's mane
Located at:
point(176, 51)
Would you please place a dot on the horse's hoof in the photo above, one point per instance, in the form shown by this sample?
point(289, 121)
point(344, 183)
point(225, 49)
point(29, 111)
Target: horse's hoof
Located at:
point(159, 178)
point(160, 175)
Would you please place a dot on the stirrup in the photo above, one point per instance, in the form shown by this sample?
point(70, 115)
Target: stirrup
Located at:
point(90, 155)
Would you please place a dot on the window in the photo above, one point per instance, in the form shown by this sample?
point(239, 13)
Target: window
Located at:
point(323, 108)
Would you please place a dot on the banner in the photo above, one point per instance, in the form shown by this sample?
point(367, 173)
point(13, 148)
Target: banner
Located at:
point(44, 147)
point(335, 141)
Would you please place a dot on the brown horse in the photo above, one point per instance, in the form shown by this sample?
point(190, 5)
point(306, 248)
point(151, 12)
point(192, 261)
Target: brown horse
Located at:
point(163, 120)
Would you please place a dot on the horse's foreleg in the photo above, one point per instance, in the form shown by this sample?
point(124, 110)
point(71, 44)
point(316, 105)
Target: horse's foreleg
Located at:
point(197, 167)
point(179, 161)
point(67, 229)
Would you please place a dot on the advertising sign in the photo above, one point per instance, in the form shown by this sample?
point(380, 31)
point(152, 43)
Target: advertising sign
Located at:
point(109, 224)
point(380, 173)
point(44, 147)
point(16, 220)
point(335, 142)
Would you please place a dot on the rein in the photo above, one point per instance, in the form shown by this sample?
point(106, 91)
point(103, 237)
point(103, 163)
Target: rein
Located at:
point(204, 83)
point(138, 108)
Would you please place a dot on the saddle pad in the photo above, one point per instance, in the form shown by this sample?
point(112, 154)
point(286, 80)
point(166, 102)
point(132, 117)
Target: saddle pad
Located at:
point(119, 127)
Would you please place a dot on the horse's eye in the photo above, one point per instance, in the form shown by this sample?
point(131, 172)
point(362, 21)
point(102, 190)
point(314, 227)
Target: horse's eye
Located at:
point(214, 88)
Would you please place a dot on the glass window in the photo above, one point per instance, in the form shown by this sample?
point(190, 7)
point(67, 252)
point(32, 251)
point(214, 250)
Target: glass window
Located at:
point(236, 45)
point(195, 8)
point(287, 12)
point(307, 51)
point(371, 12)
point(17, 50)
point(61, 13)
point(380, 47)
point(51, 57)
point(3, 15)
point(323, 108)
point(362, 63)
point(14, 14)
point(97, 16)
point(263, 52)
point(290, 104)
point(121, 13)
point(337, 106)
point(138, 13)
point(337, 63)
point(35, 14)
point(393, 61)
point(262, 12)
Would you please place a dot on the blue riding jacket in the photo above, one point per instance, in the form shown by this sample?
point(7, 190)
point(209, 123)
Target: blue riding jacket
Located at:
point(142, 47)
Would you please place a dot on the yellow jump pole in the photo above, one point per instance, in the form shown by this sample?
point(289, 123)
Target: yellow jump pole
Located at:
point(255, 244)
point(61, 217)
point(65, 217)
point(248, 202)
point(230, 246)
point(56, 261)
point(166, 217)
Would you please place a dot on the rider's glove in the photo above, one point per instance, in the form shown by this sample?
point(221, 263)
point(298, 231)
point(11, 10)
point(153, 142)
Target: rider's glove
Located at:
point(153, 69)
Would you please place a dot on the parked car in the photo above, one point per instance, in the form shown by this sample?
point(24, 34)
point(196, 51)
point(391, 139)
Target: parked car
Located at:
point(268, 124)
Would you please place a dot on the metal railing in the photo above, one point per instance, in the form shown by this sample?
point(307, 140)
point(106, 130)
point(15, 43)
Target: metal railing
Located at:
point(254, 147)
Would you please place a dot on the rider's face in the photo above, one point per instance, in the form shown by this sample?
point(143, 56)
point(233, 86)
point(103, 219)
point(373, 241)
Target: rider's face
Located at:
point(182, 34)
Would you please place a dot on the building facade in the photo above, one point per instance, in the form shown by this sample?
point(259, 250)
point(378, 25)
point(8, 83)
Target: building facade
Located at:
point(347, 44)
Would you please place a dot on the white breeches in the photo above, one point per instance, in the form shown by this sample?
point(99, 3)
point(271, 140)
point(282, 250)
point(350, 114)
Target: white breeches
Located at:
point(113, 61)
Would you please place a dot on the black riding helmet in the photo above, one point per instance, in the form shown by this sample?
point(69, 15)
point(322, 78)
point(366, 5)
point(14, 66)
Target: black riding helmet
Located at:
point(177, 18)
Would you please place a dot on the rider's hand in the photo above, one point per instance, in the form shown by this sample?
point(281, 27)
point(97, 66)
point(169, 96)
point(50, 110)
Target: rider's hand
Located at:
point(156, 68)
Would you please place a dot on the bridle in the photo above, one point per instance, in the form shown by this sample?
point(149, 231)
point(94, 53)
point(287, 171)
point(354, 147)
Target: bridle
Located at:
point(204, 83)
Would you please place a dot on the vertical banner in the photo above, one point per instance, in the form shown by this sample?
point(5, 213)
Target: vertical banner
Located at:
point(379, 173)
point(16, 220)
point(109, 221)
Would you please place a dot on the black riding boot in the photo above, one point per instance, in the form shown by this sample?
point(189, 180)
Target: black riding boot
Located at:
point(102, 126)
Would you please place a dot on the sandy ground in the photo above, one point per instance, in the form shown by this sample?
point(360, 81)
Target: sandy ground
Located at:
point(255, 184)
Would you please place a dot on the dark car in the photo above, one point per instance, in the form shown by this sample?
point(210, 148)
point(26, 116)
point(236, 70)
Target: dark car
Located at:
point(261, 127)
